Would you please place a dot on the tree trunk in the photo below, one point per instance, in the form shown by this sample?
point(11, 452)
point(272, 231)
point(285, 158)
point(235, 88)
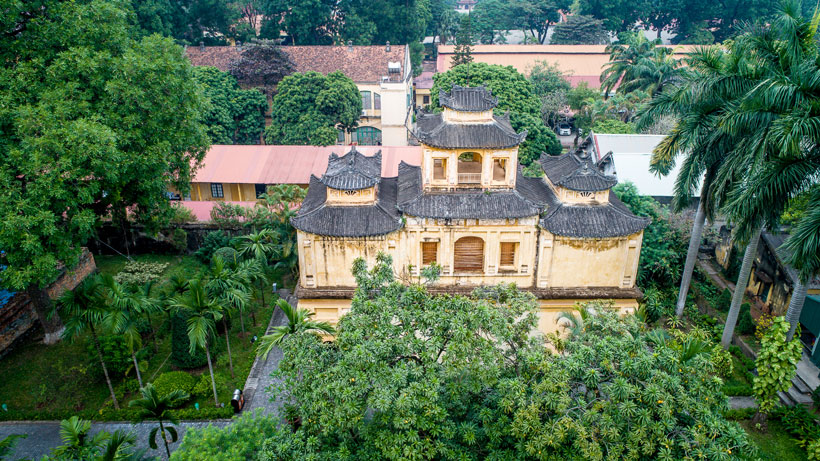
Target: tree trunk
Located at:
point(740, 289)
point(105, 369)
point(262, 291)
point(796, 307)
point(228, 342)
point(211, 370)
point(242, 321)
point(137, 369)
point(47, 313)
point(691, 257)
point(153, 332)
point(164, 439)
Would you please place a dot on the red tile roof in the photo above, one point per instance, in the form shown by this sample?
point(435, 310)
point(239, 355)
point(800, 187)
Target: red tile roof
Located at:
point(237, 164)
point(363, 64)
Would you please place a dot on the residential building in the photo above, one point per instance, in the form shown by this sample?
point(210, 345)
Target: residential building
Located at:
point(580, 63)
point(423, 84)
point(469, 208)
point(628, 157)
point(383, 75)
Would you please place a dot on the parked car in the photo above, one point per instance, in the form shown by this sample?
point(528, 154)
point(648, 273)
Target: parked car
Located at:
point(564, 129)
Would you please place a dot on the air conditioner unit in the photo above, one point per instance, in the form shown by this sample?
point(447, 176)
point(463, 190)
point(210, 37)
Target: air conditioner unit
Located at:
point(385, 78)
point(364, 112)
point(394, 67)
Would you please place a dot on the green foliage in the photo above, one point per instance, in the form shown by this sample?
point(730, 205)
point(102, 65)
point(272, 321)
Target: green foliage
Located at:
point(181, 355)
point(240, 441)
point(115, 354)
point(515, 94)
point(212, 242)
point(776, 363)
point(308, 108)
point(799, 422)
point(463, 51)
point(7, 444)
point(179, 239)
point(261, 65)
point(76, 91)
point(228, 255)
point(236, 116)
point(739, 414)
point(139, 273)
point(548, 78)
point(174, 380)
point(664, 240)
point(451, 376)
point(582, 95)
point(637, 63)
point(613, 126)
point(745, 322)
point(368, 22)
point(181, 214)
point(579, 29)
point(723, 302)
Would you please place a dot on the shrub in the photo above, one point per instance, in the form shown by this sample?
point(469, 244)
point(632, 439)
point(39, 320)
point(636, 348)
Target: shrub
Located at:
point(181, 214)
point(745, 323)
point(227, 215)
point(174, 380)
point(798, 422)
point(179, 239)
point(762, 325)
point(202, 388)
point(228, 255)
point(813, 449)
point(212, 242)
point(739, 414)
point(115, 354)
point(723, 301)
point(240, 441)
point(139, 273)
point(180, 353)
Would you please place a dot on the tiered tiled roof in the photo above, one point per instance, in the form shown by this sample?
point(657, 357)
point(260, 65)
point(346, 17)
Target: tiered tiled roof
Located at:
point(353, 171)
point(499, 134)
point(473, 99)
point(575, 173)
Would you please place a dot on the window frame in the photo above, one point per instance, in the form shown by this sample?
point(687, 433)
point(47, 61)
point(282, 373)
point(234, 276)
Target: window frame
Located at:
point(443, 161)
point(256, 189)
point(377, 101)
point(459, 267)
point(217, 191)
point(425, 262)
point(501, 256)
point(367, 100)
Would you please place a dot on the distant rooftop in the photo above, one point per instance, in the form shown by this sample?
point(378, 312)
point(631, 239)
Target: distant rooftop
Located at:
point(360, 63)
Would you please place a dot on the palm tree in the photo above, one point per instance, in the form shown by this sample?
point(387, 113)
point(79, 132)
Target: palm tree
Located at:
point(202, 322)
point(154, 407)
point(299, 320)
point(259, 246)
point(77, 442)
point(83, 310)
point(639, 64)
point(227, 287)
point(252, 270)
point(149, 304)
point(122, 317)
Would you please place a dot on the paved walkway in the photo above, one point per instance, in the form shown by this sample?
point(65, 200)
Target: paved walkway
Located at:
point(44, 436)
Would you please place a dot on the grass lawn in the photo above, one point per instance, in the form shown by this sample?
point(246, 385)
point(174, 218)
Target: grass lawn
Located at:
point(774, 444)
point(67, 377)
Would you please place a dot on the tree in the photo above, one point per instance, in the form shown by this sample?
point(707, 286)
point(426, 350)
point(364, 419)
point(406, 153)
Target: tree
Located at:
point(236, 116)
point(208, 21)
point(76, 92)
point(579, 29)
point(259, 246)
point(776, 364)
point(311, 22)
point(83, 310)
point(515, 94)
point(102, 446)
point(123, 315)
point(548, 78)
point(261, 65)
point(299, 320)
point(152, 406)
point(460, 377)
point(463, 52)
point(639, 64)
point(613, 126)
point(309, 108)
point(444, 21)
point(617, 15)
point(228, 287)
point(371, 22)
point(536, 16)
point(204, 313)
point(490, 18)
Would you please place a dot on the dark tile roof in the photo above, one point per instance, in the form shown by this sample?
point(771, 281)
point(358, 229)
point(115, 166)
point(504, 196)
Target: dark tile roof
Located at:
point(434, 131)
point(470, 204)
point(363, 64)
point(571, 172)
point(353, 171)
point(781, 253)
point(316, 217)
point(593, 221)
point(468, 99)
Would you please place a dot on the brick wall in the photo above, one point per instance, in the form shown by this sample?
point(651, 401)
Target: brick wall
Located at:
point(70, 278)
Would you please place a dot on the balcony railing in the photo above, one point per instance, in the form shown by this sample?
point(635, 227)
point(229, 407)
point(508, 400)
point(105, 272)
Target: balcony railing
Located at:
point(469, 178)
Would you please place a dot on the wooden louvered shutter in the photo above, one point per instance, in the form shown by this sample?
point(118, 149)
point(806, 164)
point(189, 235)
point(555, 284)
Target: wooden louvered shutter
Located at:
point(469, 255)
point(507, 254)
point(429, 253)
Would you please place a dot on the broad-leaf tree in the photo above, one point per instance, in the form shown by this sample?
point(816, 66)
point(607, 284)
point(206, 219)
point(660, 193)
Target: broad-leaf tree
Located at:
point(262, 65)
point(371, 22)
point(309, 108)
point(236, 116)
point(515, 94)
point(311, 22)
point(92, 123)
point(580, 29)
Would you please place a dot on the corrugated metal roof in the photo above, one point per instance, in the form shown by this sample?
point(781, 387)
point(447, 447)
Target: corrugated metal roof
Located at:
point(257, 164)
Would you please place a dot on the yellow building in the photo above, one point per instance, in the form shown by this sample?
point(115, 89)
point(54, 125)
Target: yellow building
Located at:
point(469, 208)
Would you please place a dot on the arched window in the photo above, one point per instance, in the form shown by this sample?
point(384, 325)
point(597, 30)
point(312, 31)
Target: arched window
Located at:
point(367, 136)
point(469, 168)
point(469, 255)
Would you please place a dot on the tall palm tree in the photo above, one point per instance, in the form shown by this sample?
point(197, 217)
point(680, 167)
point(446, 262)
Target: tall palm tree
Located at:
point(709, 88)
point(299, 320)
point(82, 310)
point(785, 110)
point(125, 310)
point(259, 246)
point(149, 305)
point(253, 270)
point(155, 408)
point(227, 288)
point(639, 64)
point(202, 321)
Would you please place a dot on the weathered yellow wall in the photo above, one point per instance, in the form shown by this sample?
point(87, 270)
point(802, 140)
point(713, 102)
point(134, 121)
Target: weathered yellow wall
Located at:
point(231, 192)
point(327, 261)
point(351, 198)
point(566, 262)
point(487, 159)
